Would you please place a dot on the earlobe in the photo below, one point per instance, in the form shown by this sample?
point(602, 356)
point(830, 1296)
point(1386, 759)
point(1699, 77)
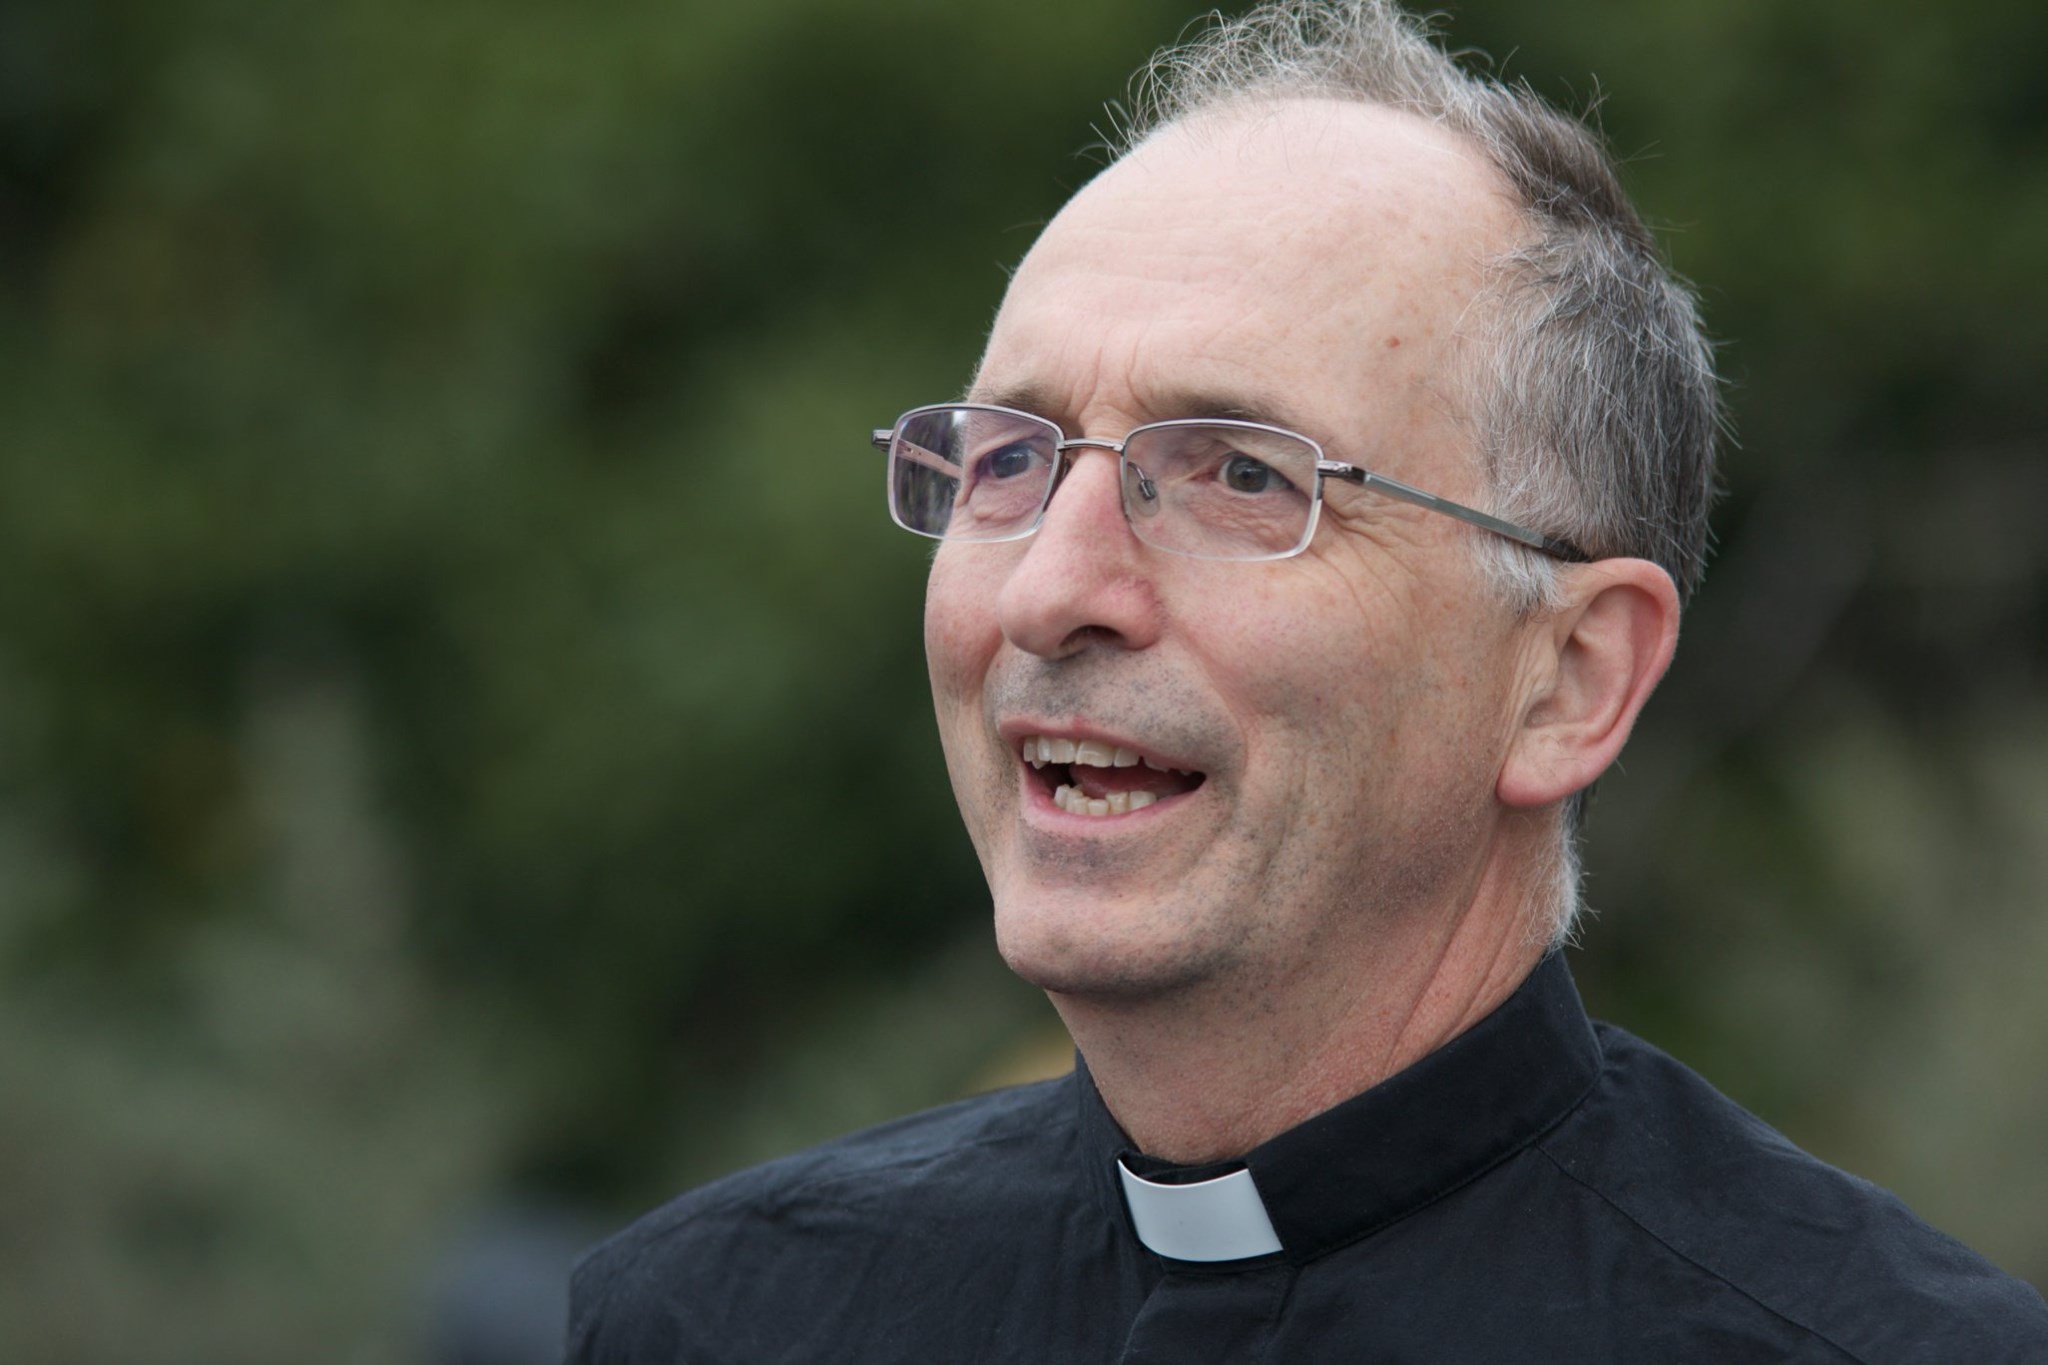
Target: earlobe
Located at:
point(1602, 655)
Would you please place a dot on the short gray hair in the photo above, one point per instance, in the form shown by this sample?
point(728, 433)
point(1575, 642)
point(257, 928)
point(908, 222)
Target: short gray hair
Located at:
point(1591, 382)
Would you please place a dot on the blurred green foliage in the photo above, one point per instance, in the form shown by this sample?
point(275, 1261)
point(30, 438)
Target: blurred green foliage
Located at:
point(462, 722)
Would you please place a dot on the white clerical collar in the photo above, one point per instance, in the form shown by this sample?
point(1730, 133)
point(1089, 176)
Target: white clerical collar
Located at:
point(1210, 1220)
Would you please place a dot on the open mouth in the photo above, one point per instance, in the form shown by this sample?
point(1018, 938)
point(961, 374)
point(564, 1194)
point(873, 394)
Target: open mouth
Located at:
point(1089, 777)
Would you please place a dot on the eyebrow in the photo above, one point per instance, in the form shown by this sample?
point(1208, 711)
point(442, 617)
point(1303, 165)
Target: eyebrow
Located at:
point(1161, 406)
point(1030, 398)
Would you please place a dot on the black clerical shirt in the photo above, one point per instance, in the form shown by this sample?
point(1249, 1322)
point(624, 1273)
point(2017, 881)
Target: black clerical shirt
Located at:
point(1540, 1189)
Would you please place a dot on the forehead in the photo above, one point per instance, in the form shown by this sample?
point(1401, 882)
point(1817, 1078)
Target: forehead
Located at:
point(1295, 261)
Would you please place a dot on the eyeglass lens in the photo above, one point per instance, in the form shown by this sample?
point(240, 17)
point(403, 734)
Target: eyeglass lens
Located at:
point(1218, 490)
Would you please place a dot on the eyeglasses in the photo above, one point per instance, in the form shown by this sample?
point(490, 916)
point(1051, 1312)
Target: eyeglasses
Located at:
point(1203, 487)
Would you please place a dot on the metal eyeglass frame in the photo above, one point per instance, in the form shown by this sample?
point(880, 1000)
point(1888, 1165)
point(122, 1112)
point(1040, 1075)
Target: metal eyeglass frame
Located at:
point(884, 438)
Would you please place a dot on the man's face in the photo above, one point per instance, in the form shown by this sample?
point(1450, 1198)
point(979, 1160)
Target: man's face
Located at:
point(1338, 718)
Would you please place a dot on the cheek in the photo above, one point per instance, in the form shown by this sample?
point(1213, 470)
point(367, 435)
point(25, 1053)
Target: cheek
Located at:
point(1336, 677)
point(960, 633)
point(1299, 643)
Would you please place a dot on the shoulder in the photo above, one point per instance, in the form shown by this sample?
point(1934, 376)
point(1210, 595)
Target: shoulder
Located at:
point(1701, 1179)
point(920, 1153)
point(822, 1224)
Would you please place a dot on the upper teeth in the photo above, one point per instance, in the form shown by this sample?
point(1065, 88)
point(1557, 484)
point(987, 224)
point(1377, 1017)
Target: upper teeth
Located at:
point(1039, 750)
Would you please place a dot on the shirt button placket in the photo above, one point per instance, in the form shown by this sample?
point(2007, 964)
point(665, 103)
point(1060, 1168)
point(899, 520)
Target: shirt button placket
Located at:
point(1194, 1319)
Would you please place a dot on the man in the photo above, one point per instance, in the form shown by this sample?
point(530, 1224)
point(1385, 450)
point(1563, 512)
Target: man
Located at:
point(1314, 531)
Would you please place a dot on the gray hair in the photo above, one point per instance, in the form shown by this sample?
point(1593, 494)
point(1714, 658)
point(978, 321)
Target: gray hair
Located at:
point(1591, 383)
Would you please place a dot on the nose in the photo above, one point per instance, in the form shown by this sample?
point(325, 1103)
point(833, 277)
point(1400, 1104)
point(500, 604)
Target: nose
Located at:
point(1083, 578)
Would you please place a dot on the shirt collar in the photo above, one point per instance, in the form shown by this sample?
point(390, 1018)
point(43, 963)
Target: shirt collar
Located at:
point(1353, 1169)
point(1215, 1218)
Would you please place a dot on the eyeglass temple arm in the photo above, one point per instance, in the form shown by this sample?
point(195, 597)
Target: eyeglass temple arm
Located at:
point(910, 450)
point(1394, 488)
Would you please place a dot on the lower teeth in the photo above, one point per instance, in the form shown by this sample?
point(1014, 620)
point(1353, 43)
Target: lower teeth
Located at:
point(1075, 802)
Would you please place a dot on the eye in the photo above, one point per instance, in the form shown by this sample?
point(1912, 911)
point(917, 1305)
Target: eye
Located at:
point(1008, 462)
point(1243, 474)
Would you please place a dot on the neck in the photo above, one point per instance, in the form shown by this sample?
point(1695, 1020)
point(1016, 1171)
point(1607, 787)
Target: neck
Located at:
point(1212, 1071)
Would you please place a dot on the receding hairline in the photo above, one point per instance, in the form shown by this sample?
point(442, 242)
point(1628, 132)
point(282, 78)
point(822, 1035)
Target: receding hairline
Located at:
point(1465, 255)
point(1291, 115)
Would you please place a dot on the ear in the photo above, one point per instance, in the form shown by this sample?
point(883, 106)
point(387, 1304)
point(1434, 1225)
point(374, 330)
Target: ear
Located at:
point(1594, 664)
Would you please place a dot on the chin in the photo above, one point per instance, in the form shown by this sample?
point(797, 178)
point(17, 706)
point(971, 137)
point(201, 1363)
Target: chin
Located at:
point(1069, 945)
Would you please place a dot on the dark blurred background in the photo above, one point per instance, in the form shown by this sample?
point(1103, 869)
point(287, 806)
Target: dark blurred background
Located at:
point(465, 764)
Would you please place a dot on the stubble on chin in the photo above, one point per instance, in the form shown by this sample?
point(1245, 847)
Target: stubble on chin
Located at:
point(1084, 923)
point(1050, 955)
